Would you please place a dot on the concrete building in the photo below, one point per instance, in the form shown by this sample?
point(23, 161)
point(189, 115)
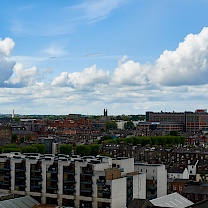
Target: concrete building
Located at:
point(72, 181)
point(156, 179)
point(190, 121)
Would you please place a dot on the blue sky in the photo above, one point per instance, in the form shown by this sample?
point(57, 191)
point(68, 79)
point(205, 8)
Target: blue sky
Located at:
point(129, 56)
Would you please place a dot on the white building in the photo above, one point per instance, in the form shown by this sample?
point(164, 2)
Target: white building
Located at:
point(178, 172)
point(72, 181)
point(156, 179)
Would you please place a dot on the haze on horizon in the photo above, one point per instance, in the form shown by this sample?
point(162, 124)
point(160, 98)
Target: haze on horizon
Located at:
point(129, 56)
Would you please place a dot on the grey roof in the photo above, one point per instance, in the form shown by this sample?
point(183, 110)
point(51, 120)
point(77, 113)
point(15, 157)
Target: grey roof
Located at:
point(22, 202)
point(171, 200)
point(201, 204)
point(196, 189)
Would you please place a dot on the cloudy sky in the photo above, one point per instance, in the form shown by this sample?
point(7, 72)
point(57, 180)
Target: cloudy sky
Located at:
point(129, 56)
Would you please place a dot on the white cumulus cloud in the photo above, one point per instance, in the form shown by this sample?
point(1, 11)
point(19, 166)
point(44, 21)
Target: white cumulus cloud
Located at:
point(5, 70)
point(87, 77)
point(24, 77)
point(131, 73)
point(6, 66)
point(187, 65)
point(6, 46)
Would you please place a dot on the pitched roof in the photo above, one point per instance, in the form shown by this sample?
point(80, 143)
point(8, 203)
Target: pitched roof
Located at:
point(140, 203)
point(201, 204)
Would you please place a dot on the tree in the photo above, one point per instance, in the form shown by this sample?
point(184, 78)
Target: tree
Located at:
point(129, 140)
point(170, 140)
point(7, 150)
point(22, 139)
point(111, 125)
point(145, 141)
point(177, 140)
point(121, 140)
point(162, 141)
point(14, 138)
point(1, 150)
point(105, 154)
point(203, 176)
point(41, 148)
point(65, 149)
point(173, 133)
point(129, 125)
point(29, 149)
point(94, 149)
point(83, 150)
point(10, 146)
point(136, 141)
point(104, 138)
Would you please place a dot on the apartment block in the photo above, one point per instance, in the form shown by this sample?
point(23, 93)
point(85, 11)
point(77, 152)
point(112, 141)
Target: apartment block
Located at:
point(156, 179)
point(91, 182)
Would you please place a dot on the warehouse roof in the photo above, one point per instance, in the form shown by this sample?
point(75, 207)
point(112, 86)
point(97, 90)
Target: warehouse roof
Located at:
point(172, 200)
point(22, 202)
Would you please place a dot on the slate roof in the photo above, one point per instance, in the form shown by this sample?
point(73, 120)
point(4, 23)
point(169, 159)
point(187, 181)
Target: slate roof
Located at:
point(140, 203)
point(196, 189)
point(201, 204)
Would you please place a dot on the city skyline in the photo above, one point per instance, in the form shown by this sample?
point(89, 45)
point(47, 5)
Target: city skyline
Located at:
point(127, 56)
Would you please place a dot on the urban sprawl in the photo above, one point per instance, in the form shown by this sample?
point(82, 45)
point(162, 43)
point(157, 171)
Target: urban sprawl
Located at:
point(155, 160)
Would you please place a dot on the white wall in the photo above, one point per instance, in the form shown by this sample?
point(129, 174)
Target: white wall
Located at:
point(139, 186)
point(118, 193)
point(161, 181)
point(126, 164)
point(157, 173)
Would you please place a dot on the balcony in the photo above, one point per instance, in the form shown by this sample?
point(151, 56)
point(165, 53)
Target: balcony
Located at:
point(20, 177)
point(86, 182)
point(69, 180)
point(129, 185)
point(19, 187)
point(87, 173)
point(129, 192)
point(6, 168)
point(69, 171)
point(36, 187)
point(86, 190)
point(6, 176)
point(20, 169)
point(5, 185)
point(69, 188)
point(52, 170)
point(36, 170)
point(36, 178)
point(53, 179)
point(107, 192)
point(100, 182)
point(152, 188)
